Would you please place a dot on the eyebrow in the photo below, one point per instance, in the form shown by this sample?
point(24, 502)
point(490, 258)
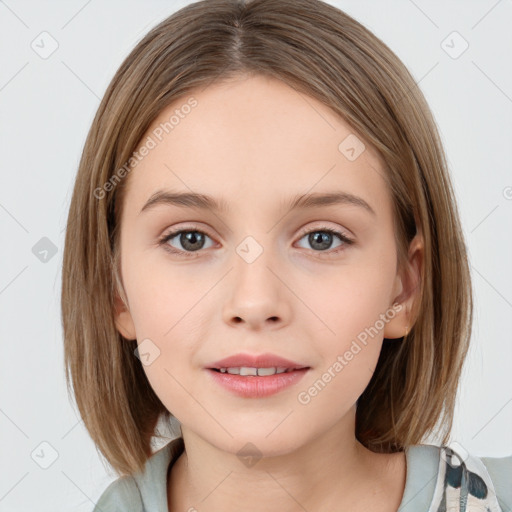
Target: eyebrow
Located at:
point(300, 201)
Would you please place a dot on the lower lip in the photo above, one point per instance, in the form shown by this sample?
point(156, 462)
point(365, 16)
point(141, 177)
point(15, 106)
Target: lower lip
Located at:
point(254, 386)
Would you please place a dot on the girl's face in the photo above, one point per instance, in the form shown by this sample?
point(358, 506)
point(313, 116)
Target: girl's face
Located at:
point(256, 275)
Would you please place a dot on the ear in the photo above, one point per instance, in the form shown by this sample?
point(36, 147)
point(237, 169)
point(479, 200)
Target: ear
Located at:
point(123, 319)
point(407, 290)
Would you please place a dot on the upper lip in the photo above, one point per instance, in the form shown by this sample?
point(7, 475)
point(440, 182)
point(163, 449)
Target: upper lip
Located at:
point(256, 361)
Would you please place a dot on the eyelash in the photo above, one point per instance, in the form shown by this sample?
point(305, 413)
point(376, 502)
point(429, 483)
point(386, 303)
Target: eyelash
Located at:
point(191, 229)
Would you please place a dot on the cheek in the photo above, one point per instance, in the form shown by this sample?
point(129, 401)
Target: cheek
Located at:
point(164, 321)
point(349, 300)
point(348, 339)
point(164, 297)
point(352, 329)
point(167, 308)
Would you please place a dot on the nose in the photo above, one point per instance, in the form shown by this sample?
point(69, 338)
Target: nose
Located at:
point(257, 296)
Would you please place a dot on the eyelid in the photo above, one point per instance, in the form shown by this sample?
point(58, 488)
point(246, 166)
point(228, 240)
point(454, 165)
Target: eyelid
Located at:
point(324, 226)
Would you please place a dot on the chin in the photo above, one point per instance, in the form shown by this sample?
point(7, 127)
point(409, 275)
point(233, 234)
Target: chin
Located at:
point(254, 444)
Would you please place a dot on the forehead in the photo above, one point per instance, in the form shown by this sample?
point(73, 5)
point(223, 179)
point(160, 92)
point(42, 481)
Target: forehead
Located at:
point(254, 139)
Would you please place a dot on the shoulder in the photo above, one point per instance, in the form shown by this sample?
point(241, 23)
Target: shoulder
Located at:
point(145, 490)
point(500, 471)
point(481, 482)
point(121, 495)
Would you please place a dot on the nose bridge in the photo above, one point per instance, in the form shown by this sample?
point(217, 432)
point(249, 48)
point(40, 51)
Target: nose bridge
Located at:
point(255, 233)
point(253, 258)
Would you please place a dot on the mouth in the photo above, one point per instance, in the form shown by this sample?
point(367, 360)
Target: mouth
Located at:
point(245, 364)
point(248, 371)
point(255, 382)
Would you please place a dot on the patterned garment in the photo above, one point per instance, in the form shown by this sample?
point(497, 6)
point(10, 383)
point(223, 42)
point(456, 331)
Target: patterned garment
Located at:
point(463, 484)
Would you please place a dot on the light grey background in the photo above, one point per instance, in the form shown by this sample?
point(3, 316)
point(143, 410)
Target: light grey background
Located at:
point(47, 105)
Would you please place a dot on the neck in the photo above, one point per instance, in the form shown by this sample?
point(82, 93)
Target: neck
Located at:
point(332, 471)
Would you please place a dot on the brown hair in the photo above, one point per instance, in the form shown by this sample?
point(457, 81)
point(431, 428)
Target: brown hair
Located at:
point(321, 52)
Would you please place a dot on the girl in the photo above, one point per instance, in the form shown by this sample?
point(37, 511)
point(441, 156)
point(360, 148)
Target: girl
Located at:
point(316, 335)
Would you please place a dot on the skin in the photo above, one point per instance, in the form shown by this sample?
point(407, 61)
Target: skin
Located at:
point(254, 142)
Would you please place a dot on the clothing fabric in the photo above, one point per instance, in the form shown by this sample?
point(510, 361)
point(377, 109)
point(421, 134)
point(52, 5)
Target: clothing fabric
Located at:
point(438, 479)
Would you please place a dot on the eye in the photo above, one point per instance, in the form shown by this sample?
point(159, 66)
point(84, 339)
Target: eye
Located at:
point(322, 238)
point(191, 240)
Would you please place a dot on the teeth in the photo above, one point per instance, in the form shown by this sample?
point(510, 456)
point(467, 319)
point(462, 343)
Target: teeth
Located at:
point(245, 371)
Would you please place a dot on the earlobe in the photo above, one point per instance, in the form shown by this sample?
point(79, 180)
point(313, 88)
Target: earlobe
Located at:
point(401, 324)
point(123, 319)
